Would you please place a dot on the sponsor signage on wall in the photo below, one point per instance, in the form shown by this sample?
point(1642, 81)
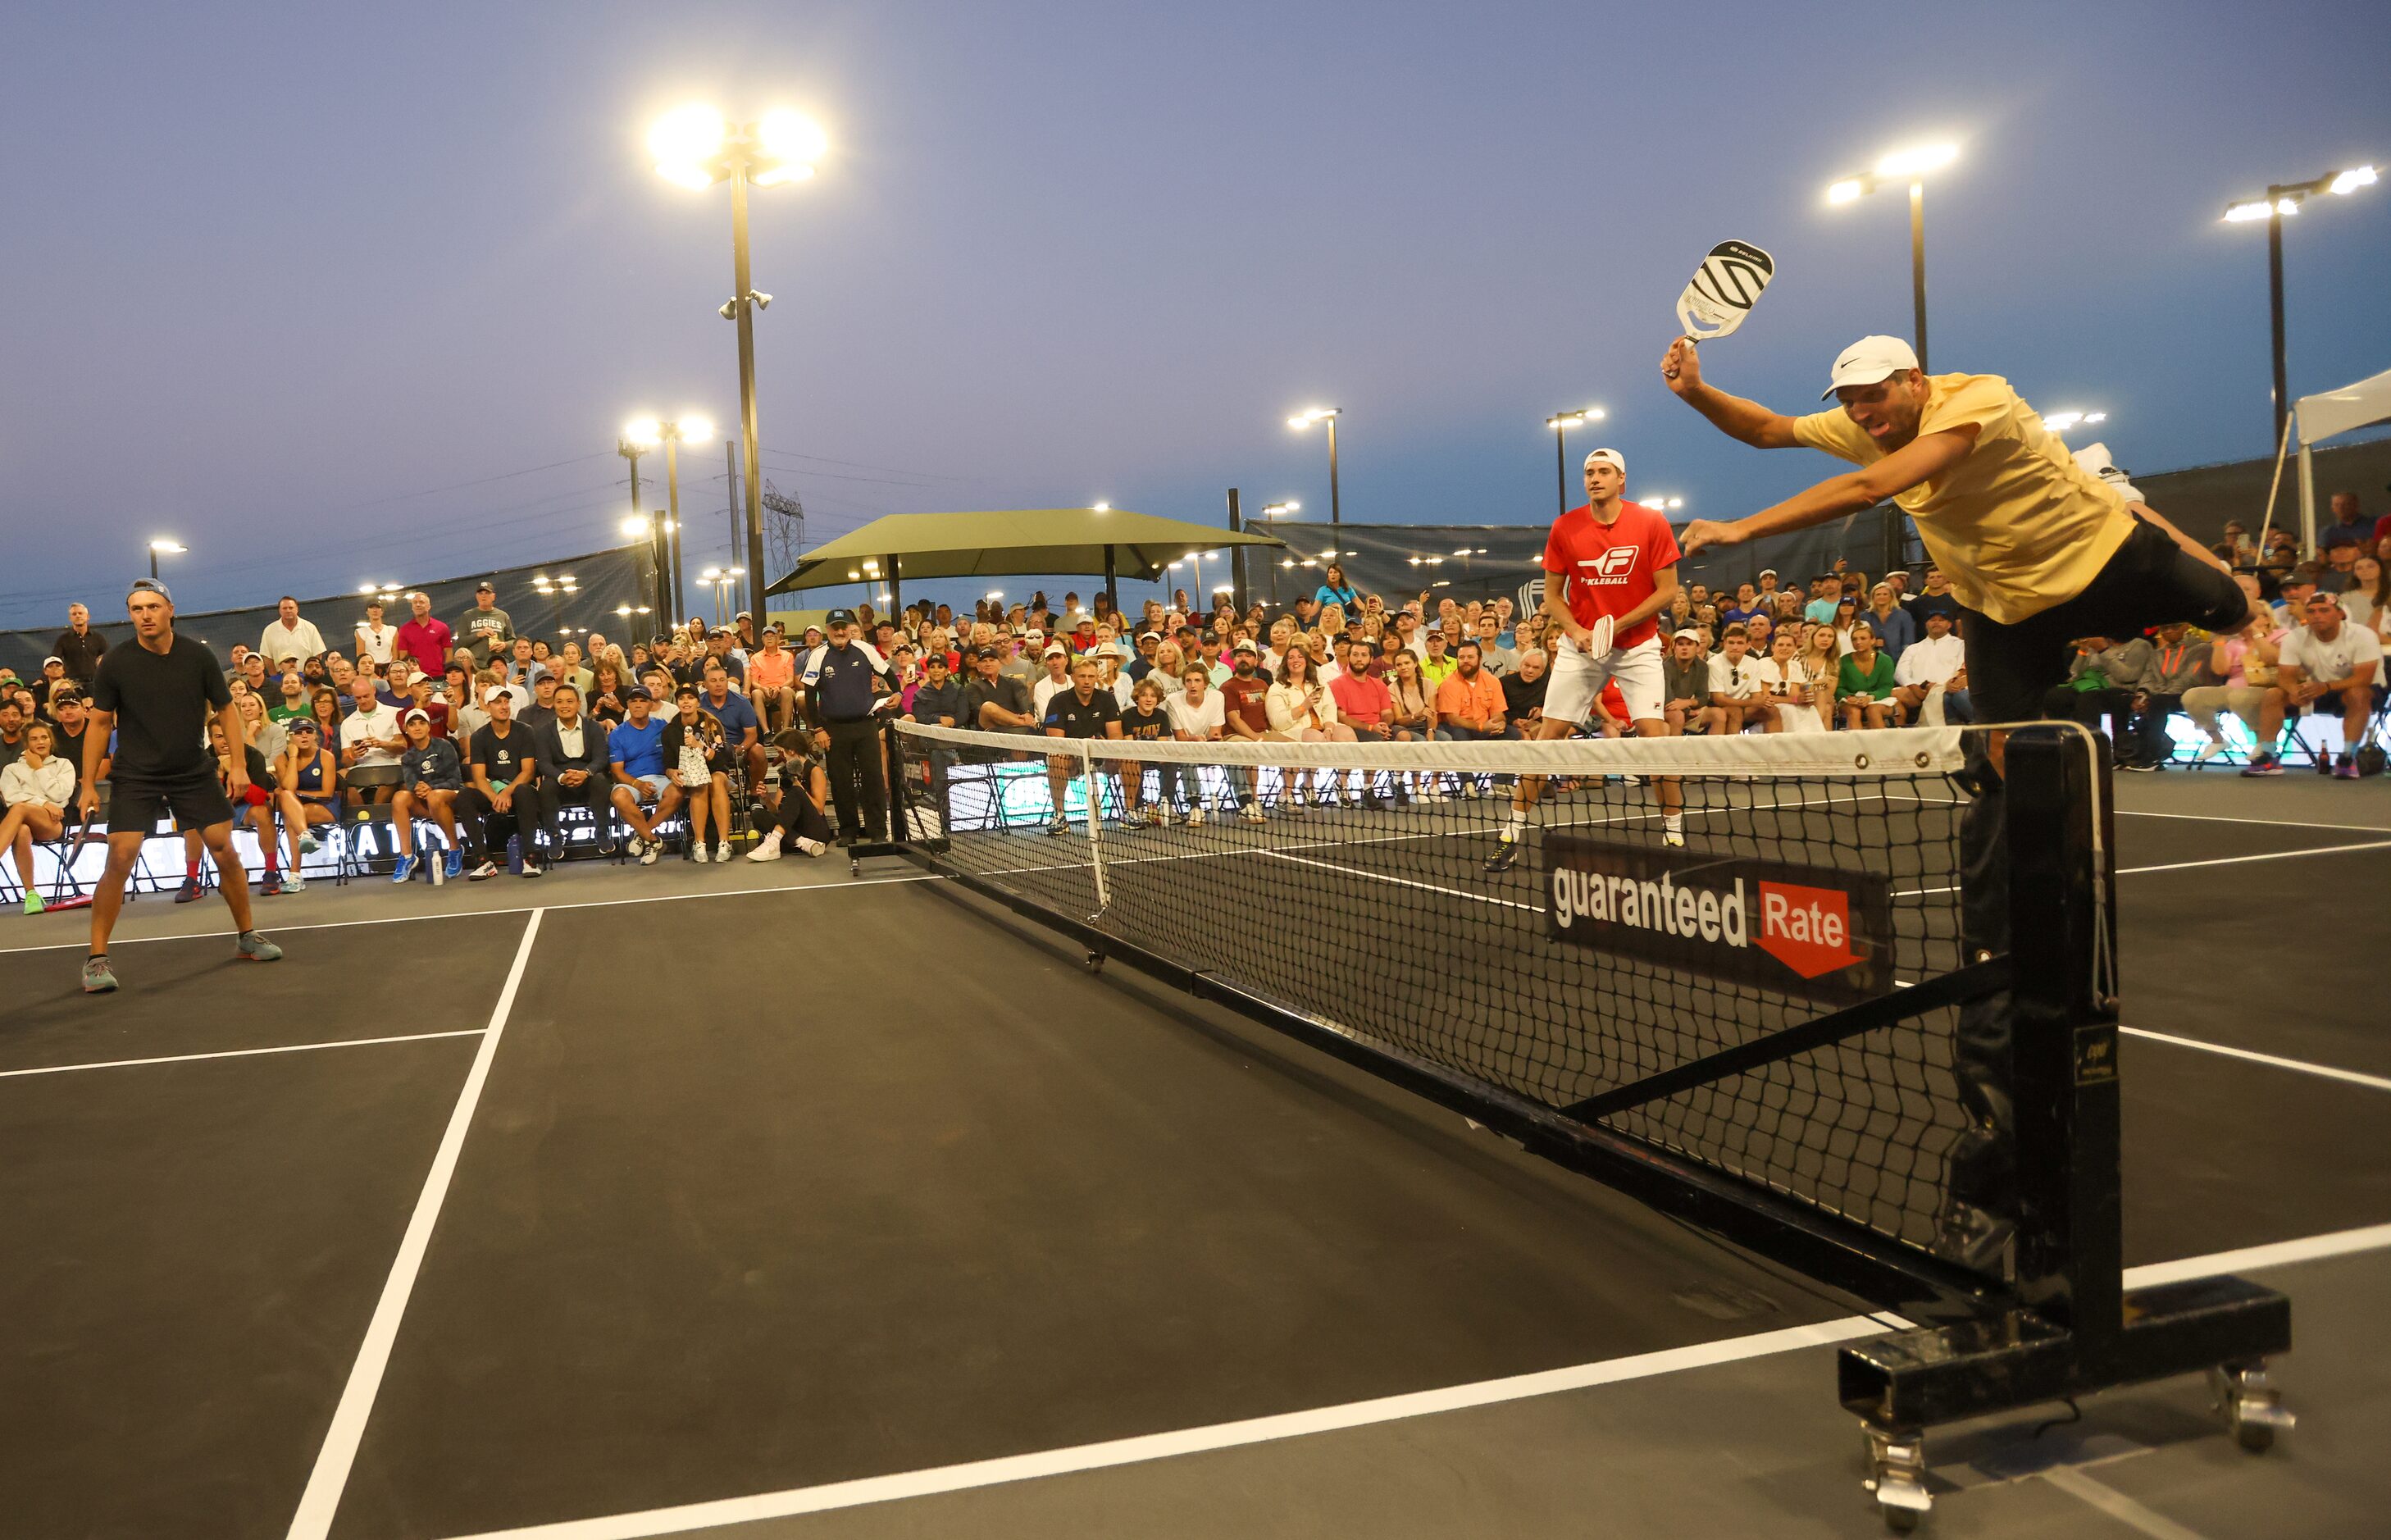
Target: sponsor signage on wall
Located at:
point(1819, 932)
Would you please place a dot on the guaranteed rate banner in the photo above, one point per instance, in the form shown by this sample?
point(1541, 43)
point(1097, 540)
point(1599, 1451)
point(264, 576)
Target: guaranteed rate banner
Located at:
point(1819, 933)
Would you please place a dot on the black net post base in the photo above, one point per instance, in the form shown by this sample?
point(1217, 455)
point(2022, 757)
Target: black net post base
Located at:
point(2074, 1328)
point(902, 799)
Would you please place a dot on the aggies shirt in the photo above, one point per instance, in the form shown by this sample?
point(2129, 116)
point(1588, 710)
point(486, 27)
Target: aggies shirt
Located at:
point(1610, 567)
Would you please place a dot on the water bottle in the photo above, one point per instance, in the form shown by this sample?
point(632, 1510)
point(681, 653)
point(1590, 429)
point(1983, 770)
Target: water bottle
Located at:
point(438, 861)
point(514, 854)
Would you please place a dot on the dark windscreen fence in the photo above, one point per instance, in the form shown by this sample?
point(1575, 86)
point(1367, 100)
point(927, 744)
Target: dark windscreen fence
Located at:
point(1817, 881)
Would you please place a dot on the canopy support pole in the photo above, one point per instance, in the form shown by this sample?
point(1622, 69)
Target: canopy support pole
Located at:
point(1237, 556)
point(2307, 504)
point(895, 588)
point(1112, 582)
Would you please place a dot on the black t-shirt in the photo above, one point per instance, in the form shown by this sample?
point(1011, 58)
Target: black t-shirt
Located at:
point(69, 746)
point(260, 774)
point(1520, 696)
point(162, 702)
point(1145, 725)
point(1080, 719)
point(502, 758)
point(1925, 604)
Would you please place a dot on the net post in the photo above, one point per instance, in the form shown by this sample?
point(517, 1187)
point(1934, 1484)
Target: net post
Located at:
point(2070, 1246)
point(1094, 791)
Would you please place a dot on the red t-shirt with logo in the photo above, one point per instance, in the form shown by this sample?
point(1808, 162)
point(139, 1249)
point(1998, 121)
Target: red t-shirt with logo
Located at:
point(1610, 567)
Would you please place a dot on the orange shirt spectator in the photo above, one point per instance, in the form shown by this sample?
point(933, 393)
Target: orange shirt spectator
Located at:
point(1462, 697)
point(768, 669)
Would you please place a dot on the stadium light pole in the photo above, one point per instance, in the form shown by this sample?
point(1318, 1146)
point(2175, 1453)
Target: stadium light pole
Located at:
point(1271, 513)
point(164, 547)
point(1329, 415)
point(1904, 165)
point(647, 433)
point(695, 147)
point(1560, 423)
point(2280, 202)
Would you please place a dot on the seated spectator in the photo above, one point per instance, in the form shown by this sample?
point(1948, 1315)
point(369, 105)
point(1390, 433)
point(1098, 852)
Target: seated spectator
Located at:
point(636, 764)
point(1784, 705)
point(1735, 693)
point(1686, 684)
point(257, 805)
point(698, 756)
point(1937, 658)
point(1197, 715)
point(542, 710)
point(1469, 706)
point(36, 789)
point(1438, 661)
point(69, 717)
point(2330, 668)
point(2247, 663)
point(2102, 679)
point(289, 702)
point(1056, 659)
point(502, 774)
point(430, 778)
point(264, 734)
point(741, 726)
point(2367, 601)
point(607, 692)
point(312, 774)
point(370, 745)
point(1492, 655)
point(2175, 666)
point(994, 700)
point(1523, 695)
point(771, 682)
point(1084, 710)
point(1895, 630)
point(2349, 527)
point(576, 769)
point(1864, 681)
point(1146, 721)
point(12, 730)
point(799, 816)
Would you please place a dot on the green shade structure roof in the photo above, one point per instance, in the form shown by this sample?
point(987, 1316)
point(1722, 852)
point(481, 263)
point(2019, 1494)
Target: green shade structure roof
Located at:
point(918, 547)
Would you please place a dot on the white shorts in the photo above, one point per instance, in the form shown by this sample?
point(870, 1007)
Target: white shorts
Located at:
point(1577, 679)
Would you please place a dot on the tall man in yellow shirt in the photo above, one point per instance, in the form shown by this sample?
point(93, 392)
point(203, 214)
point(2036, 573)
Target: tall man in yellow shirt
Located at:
point(2038, 552)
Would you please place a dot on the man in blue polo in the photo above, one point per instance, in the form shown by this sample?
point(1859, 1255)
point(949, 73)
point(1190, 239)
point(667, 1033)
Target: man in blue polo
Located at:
point(635, 752)
point(843, 681)
point(739, 724)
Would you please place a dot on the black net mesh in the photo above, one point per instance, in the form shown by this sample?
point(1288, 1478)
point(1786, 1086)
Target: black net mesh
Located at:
point(1351, 884)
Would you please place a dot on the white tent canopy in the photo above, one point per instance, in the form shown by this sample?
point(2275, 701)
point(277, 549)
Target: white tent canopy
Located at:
point(2323, 416)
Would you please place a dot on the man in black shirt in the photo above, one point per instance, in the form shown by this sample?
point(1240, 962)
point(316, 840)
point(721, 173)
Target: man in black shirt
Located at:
point(157, 696)
point(843, 681)
point(79, 646)
point(1082, 711)
point(501, 772)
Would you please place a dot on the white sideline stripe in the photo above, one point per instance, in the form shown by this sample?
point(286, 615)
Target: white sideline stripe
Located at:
point(2117, 1505)
point(516, 908)
point(2249, 1258)
point(2373, 1083)
point(1405, 881)
point(1360, 1414)
point(2269, 822)
point(243, 1053)
point(1188, 1441)
point(331, 1476)
point(2271, 855)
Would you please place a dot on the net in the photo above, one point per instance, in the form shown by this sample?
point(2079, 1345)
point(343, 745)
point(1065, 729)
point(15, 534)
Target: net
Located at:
point(1349, 883)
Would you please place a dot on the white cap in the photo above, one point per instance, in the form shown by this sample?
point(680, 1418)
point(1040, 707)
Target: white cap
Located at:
point(1868, 361)
point(1611, 457)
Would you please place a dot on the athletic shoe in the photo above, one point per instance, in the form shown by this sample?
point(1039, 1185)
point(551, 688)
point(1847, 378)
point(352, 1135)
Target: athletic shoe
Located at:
point(456, 864)
point(1505, 856)
point(1252, 813)
point(648, 852)
point(483, 872)
point(532, 867)
point(1059, 825)
point(272, 883)
point(1194, 816)
point(767, 848)
point(255, 948)
point(2140, 767)
point(188, 891)
point(97, 978)
point(811, 847)
point(2208, 751)
point(405, 869)
point(309, 845)
point(697, 851)
point(2347, 769)
point(2263, 764)
point(293, 883)
point(1672, 831)
point(722, 852)
point(1469, 790)
point(33, 903)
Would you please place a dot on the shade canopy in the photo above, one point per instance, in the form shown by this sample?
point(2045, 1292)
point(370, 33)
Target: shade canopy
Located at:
point(912, 547)
point(2330, 412)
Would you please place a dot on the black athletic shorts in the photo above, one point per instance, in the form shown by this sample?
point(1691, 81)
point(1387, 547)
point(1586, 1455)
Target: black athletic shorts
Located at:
point(2150, 581)
point(133, 807)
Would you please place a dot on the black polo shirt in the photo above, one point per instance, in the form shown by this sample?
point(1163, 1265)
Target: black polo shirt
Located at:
point(1080, 719)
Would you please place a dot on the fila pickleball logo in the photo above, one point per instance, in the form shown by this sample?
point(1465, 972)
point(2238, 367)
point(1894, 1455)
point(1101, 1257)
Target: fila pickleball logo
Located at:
point(1812, 931)
point(1618, 561)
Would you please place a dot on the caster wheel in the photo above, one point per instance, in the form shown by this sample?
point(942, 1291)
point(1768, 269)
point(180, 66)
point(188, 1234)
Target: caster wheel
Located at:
point(1094, 962)
point(1901, 1521)
point(2257, 1437)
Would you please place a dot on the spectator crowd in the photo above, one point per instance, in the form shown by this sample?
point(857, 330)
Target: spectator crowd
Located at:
point(393, 725)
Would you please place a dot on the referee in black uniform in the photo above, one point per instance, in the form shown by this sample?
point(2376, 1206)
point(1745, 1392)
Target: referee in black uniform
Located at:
point(844, 679)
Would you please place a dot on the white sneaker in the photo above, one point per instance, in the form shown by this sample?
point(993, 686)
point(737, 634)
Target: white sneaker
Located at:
point(697, 851)
point(2208, 751)
point(810, 846)
point(648, 849)
point(767, 848)
point(722, 852)
point(1252, 813)
point(1194, 816)
point(293, 883)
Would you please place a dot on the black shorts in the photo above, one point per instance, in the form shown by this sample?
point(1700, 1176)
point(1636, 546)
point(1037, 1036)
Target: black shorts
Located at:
point(133, 807)
point(2150, 581)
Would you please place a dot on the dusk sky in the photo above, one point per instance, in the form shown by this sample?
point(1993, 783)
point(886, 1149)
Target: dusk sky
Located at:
point(333, 293)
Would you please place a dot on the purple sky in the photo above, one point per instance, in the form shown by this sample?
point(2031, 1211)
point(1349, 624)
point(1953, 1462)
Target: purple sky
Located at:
point(334, 295)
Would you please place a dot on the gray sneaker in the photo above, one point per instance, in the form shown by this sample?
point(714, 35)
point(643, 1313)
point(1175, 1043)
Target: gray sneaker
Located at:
point(96, 977)
point(255, 948)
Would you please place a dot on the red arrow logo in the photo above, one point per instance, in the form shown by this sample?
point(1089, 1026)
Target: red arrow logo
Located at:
point(1808, 929)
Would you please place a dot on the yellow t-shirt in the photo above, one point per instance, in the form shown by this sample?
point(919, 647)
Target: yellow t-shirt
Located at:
point(2017, 525)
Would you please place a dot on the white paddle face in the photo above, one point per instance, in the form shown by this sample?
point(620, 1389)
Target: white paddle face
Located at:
point(1723, 290)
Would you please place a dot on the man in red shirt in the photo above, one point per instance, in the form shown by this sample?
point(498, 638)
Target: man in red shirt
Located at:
point(1245, 708)
point(1611, 568)
point(425, 640)
point(1364, 705)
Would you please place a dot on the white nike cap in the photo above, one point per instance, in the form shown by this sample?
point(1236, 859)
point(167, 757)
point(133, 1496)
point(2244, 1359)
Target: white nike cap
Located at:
point(1611, 457)
point(1868, 361)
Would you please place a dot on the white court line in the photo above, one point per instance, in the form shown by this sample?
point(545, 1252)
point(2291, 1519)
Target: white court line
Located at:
point(1325, 1420)
point(2376, 1083)
point(826, 882)
point(2270, 823)
point(2271, 855)
point(330, 1475)
point(2117, 1505)
point(1400, 882)
point(243, 1053)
